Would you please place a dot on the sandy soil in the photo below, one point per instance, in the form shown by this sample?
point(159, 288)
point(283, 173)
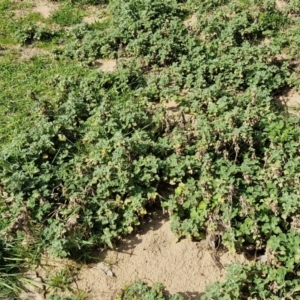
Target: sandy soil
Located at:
point(280, 4)
point(45, 8)
point(31, 52)
point(95, 15)
point(153, 255)
point(292, 101)
point(191, 21)
point(106, 65)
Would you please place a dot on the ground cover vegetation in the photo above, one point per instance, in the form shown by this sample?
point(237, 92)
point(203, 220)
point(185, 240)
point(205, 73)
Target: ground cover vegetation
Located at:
point(84, 154)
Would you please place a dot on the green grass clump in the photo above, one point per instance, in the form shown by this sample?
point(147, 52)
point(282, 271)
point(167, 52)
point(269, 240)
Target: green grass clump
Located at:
point(18, 105)
point(4, 5)
point(15, 259)
point(68, 15)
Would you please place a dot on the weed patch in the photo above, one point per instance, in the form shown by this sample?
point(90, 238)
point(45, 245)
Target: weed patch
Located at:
point(84, 153)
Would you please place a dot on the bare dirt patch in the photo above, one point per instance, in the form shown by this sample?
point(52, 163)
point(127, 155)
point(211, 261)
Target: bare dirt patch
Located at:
point(46, 278)
point(23, 53)
point(106, 65)
point(153, 255)
point(34, 288)
point(95, 14)
point(292, 101)
point(191, 21)
point(280, 4)
point(31, 52)
point(45, 8)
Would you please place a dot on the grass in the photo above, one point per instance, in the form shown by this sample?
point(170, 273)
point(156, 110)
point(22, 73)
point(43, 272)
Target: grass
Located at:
point(51, 44)
point(103, 25)
point(68, 15)
point(5, 5)
point(61, 279)
point(16, 87)
point(13, 5)
point(15, 258)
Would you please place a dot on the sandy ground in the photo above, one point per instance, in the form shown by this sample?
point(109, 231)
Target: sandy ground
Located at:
point(293, 100)
point(106, 65)
point(45, 8)
point(153, 255)
point(191, 21)
point(95, 15)
point(150, 255)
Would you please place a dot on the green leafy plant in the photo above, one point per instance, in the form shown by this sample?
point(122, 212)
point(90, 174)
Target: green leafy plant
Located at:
point(140, 290)
point(191, 118)
point(273, 276)
point(147, 29)
point(30, 33)
point(218, 168)
point(255, 282)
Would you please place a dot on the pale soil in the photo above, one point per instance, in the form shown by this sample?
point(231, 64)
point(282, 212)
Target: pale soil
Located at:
point(45, 8)
point(32, 51)
point(95, 15)
point(292, 101)
point(34, 289)
point(191, 21)
point(106, 65)
point(23, 53)
point(153, 255)
point(280, 4)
